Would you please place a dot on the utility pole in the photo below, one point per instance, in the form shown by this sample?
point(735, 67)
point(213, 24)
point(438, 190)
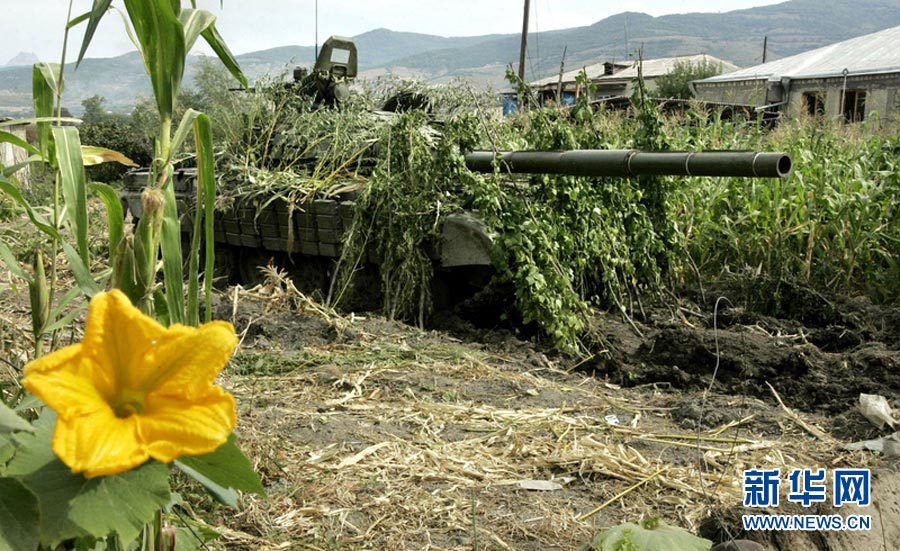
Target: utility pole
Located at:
point(562, 68)
point(524, 41)
point(765, 46)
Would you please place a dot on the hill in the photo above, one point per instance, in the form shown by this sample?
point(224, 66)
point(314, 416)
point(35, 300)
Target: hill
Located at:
point(22, 58)
point(791, 27)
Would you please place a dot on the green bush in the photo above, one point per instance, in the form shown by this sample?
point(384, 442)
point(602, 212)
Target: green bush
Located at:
point(676, 83)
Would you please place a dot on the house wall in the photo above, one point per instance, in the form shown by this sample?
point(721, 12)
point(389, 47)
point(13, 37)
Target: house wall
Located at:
point(882, 94)
point(745, 92)
point(10, 154)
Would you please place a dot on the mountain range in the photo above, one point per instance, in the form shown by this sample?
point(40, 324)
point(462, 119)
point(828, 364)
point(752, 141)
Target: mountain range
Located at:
point(790, 28)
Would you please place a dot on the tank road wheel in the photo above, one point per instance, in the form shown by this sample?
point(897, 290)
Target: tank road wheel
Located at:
point(249, 262)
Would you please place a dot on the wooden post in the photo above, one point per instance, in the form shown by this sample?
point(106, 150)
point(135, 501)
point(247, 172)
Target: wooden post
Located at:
point(524, 41)
point(562, 68)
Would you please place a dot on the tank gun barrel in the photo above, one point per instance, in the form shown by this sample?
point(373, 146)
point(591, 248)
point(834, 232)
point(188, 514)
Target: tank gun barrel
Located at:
point(628, 163)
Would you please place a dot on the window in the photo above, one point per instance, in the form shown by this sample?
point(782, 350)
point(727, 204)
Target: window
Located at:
point(815, 103)
point(854, 105)
point(340, 55)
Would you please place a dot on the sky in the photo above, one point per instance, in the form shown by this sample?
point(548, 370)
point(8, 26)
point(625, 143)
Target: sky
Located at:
point(250, 25)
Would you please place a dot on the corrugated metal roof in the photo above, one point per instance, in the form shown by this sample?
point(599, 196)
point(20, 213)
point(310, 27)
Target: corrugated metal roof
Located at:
point(872, 53)
point(652, 68)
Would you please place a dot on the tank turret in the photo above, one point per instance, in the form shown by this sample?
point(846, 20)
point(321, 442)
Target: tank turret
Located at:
point(335, 69)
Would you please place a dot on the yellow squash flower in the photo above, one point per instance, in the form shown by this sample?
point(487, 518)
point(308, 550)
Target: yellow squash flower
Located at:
point(133, 389)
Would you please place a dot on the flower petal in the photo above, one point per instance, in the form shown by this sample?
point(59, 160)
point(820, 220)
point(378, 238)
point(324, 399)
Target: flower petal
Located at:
point(99, 443)
point(54, 360)
point(67, 382)
point(118, 336)
point(172, 427)
point(186, 367)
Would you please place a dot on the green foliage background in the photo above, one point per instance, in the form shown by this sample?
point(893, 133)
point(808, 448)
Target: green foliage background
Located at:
point(568, 245)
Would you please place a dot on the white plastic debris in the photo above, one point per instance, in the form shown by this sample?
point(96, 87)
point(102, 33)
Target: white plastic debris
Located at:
point(888, 445)
point(876, 409)
point(539, 485)
point(612, 419)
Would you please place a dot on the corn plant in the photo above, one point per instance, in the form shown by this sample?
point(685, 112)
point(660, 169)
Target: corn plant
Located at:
point(91, 469)
point(831, 227)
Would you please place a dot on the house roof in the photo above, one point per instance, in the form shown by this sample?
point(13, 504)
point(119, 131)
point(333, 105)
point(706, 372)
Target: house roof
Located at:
point(872, 53)
point(652, 68)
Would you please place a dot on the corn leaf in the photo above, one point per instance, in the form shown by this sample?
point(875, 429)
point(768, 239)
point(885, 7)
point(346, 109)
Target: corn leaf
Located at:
point(12, 264)
point(37, 120)
point(207, 182)
point(170, 244)
point(63, 303)
point(18, 142)
point(206, 196)
point(215, 41)
point(39, 221)
point(93, 155)
point(80, 270)
point(42, 96)
point(193, 290)
point(51, 74)
point(181, 133)
point(65, 320)
point(74, 187)
point(97, 12)
point(12, 169)
point(161, 36)
point(129, 30)
point(194, 23)
point(115, 217)
point(75, 21)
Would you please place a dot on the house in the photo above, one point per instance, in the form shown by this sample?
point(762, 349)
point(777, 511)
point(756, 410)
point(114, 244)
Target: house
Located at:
point(616, 79)
point(853, 79)
point(11, 154)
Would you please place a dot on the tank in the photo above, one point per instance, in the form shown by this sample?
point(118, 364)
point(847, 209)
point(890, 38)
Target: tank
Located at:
point(310, 234)
point(251, 236)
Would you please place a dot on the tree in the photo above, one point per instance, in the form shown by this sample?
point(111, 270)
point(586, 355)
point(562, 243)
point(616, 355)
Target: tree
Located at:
point(676, 83)
point(93, 109)
point(113, 131)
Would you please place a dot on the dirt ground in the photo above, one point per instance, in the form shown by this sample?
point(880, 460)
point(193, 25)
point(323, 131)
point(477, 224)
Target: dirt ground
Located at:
point(371, 434)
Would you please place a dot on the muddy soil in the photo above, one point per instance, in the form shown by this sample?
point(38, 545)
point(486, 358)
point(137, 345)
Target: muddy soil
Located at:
point(371, 434)
point(822, 368)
